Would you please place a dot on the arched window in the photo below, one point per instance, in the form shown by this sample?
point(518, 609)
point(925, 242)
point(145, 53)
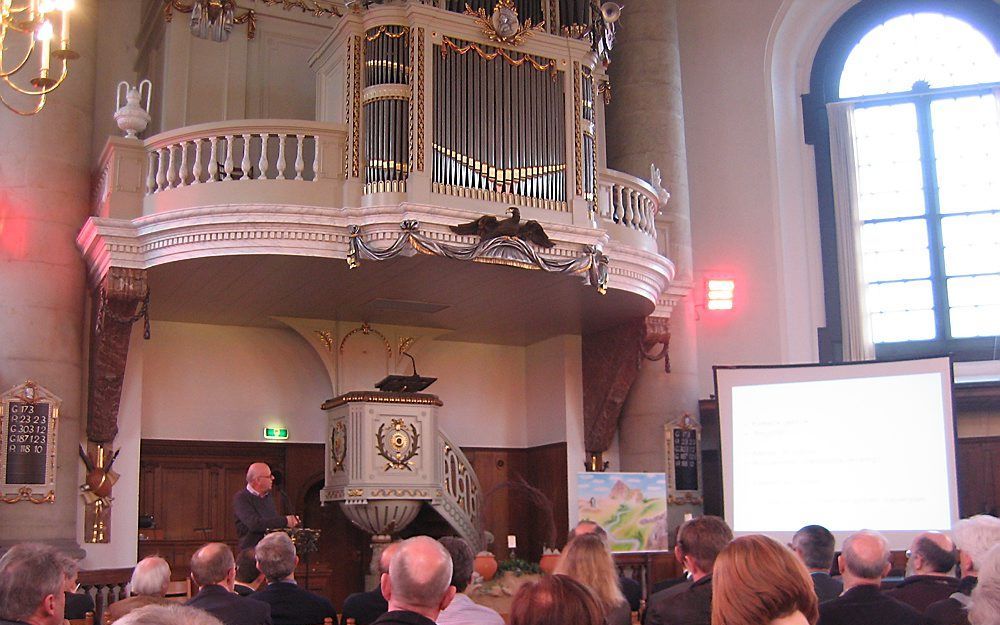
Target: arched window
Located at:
point(905, 116)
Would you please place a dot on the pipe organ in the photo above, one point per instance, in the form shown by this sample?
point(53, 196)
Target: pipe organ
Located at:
point(494, 103)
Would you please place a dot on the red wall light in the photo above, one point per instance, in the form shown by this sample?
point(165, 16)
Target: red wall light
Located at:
point(719, 293)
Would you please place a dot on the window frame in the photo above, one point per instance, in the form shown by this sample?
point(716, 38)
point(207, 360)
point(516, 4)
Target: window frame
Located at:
point(828, 65)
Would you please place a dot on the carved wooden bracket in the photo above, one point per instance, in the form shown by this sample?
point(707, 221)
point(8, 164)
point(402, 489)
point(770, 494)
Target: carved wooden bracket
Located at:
point(610, 366)
point(657, 333)
point(121, 299)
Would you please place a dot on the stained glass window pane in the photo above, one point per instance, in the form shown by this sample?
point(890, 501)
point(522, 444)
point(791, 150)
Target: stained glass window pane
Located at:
point(967, 149)
point(895, 250)
point(939, 50)
point(887, 154)
point(971, 244)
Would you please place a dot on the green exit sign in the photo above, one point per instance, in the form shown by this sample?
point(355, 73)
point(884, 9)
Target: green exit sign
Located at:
point(275, 434)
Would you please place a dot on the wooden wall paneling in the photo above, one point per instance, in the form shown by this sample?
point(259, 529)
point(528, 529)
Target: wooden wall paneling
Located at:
point(546, 469)
point(978, 465)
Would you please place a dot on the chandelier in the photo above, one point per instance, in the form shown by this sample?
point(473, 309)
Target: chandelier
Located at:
point(32, 60)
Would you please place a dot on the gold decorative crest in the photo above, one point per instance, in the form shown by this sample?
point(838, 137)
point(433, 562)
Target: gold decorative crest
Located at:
point(504, 26)
point(338, 446)
point(398, 445)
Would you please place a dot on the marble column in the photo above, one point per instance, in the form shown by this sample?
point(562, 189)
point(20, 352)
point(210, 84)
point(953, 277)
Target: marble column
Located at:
point(45, 165)
point(645, 125)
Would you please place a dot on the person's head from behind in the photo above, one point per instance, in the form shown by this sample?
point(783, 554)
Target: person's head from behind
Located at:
point(386, 557)
point(276, 557)
point(150, 577)
point(699, 542)
point(757, 580)
point(461, 561)
point(173, 614)
point(975, 536)
point(586, 527)
point(419, 577)
point(931, 553)
point(815, 545)
point(555, 600)
point(985, 606)
point(32, 584)
point(865, 559)
point(587, 560)
point(214, 564)
point(247, 572)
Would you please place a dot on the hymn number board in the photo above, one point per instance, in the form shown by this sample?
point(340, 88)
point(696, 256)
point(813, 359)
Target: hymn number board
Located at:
point(28, 419)
point(683, 438)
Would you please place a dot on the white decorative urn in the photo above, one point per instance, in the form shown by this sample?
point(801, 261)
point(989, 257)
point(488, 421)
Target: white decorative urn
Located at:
point(133, 116)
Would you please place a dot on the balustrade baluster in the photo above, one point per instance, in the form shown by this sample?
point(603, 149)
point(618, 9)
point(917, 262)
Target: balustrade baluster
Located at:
point(299, 163)
point(171, 171)
point(262, 163)
point(245, 163)
point(228, 165)
point(213, 159)
point(281, 156)
point(182, 168)
point(630, 212)
point(151, 173)
point(161, 169)
point(619, 214)
point(315, 163)
point(197, 162)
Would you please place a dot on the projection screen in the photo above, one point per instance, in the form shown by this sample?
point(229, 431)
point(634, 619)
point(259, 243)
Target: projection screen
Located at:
point(861, 445)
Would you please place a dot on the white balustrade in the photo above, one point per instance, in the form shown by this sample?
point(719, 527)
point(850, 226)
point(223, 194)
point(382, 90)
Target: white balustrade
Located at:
point(627, 201)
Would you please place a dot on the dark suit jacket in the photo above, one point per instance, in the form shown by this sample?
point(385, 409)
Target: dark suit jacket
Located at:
point(291, 605)
point(78, 604)
point(919, 591)
point(951, 611)
point(867, 605)
point(403, 617)
point(364, 607)
point(689, 603)
point(254, 516)
point(231, 608)
point(827, 587)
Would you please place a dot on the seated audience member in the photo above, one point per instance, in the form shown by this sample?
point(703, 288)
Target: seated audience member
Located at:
point(365, 607)
point(171, 614)
point(587, 560)
point(699, 542)
point(290, 605)
point(462, 610)
point(418, 584)
point(77, 603)
point(214, 569)
point(863, 564)
point(629, 587)
point(815, 546)
point(248, 576)
point(33, 585)
point(985, 606)
point(974, 537)
point(759, 581)
point(930, 572)
point(555, 600)
point(150, 579)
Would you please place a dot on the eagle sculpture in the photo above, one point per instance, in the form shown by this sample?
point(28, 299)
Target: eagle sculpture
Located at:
point(489, 227)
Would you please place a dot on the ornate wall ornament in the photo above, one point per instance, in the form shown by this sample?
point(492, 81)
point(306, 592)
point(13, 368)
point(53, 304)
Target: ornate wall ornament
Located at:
point(26, 494)
point(325, 339)
point(604, 88)
point(399, 444)
point(355, 492)
point(657, 341)
point(449, 45)
point(338, 446)
point(504, 25)
point(591, 266)
point(366, 329)
point(29, 426)
point(384, 30)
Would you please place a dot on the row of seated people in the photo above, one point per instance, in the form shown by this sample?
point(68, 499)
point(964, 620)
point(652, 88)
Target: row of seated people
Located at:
point(752, 580)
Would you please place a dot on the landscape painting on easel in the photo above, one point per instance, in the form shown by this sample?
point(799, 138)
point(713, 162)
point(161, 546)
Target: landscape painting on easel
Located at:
point(632, 507)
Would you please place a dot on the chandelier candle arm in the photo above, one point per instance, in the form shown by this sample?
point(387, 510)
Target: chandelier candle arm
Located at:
point(28, 26)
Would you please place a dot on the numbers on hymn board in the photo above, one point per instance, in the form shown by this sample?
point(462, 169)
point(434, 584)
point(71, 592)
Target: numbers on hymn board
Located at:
point(27, 432)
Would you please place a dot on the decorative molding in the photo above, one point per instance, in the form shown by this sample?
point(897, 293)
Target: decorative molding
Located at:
point(657, 336)
point(577, 130)
point(420, 99)
point(366, 329)
point(382, 397)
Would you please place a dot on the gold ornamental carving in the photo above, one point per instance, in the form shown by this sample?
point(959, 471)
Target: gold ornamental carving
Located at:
point(382, 397)
point(577, 132)
point(356, 107)
point(504, 25)
point(325, 338)
point(29, 424)
point(384, 30)
point(338, 446)
point(399, 492)
point(447, 44)
point(26, 494)
point(398, 444)
point(420, 99)
point(366, 329)
point(355, 492)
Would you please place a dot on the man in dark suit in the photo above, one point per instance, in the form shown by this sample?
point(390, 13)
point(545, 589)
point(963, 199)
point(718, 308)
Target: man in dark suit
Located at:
point(863, 564)
point(930, 571)
point(214, 569)
point(418, 584)
point(248, 576)
point(290, 605)
point(255, 509)
point(815, 546)
point(699, 542)
point(365, 607)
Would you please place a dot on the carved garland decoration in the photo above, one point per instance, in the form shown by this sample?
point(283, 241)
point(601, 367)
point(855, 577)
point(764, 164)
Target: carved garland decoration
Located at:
point(356, 107)
point(504, 26)
point(249, 18)
point(577, 132)
point(420, 99)
point(366, 329)
point(447, 44)
point(592, 265)
point(399, 445)
point(384, 30)
point(26, 494)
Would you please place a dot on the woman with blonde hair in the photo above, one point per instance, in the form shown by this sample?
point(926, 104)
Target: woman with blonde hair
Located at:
point(759, 581)
point(587, 560)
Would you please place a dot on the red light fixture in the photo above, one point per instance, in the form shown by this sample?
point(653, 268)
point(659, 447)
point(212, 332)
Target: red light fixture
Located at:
point(719, 293)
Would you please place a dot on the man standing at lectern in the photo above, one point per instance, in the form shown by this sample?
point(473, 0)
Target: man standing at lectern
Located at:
point(255, 510)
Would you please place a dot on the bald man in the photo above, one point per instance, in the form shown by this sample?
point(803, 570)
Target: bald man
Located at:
point(930, 571)
point(214, 569)
point(365, 607)
point(255, 510)
point(418, 584)
point(863, 563)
